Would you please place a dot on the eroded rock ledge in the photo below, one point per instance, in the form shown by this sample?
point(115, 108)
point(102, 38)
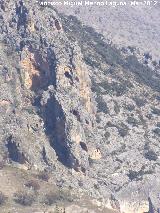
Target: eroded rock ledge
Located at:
point(71, 104)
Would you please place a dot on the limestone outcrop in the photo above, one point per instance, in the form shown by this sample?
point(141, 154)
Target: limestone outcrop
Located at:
point(74, 105)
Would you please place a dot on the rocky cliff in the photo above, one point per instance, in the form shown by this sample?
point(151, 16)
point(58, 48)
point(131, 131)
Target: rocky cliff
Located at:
point(76, 106)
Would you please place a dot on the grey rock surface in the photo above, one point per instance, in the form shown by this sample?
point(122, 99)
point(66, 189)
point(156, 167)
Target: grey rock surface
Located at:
point(74, 105)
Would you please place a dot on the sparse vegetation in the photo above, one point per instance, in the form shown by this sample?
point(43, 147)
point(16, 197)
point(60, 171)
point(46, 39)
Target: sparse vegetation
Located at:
point(149, 116)
point(147, 56)
point(109, 124)
point(107, 135)
point(114, 88)
point(50, 198)
point(32, 184)
point(129, 107)
point(30, 110)
point(2, 164)
point(98, 119)
point(132, 49)
point(43, 175)
point(91, 61)
point(132, 121)
point(157, 131)
point(151, 155)
point(65, 195)
point(138, 175)
point(24, 198)
point(158, 98)
point(3, 198)
point(96, 88)
point(140, 102)
point(94, 46)
point(42, 100)
point(53, 197)
point(154, 63)
point(142, 73)
point(155, 111)
point(116, 107)
point(88, 36)
point(101, 105)
point(123, 130)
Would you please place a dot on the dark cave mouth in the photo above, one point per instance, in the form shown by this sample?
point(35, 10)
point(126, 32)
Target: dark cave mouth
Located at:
point(14, 153)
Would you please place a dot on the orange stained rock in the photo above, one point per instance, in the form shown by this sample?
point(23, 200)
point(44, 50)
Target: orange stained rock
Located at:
point(83, 84)
point(85, 91)
point(28, 64)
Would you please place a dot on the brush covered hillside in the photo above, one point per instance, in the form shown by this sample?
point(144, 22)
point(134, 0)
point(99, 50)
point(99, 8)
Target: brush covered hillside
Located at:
point(79, 118)
point(125, 23)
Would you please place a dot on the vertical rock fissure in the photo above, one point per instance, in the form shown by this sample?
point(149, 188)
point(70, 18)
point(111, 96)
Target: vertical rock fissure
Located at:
point(55, 129)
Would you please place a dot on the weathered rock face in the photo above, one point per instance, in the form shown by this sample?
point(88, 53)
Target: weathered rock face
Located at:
point(73, 104)
point(55, 65)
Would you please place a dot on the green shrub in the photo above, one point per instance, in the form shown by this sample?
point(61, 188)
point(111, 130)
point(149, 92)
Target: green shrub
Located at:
point(151, 155)
point(123, 131)
point(132, 49)
point(158, 124)
point(50, 198)
point(132, 121)
point(3, 198)
point(43, 175)
point(109, 124)
point(116, 107)
point(96, 87)
point(140, 102)
point(129, 107)
point(101, 105)
point(98, 119)
point(157, 131)
point(32, 184)
point(122, 128)
point(24, 198)
point(114, 88)
point(155, 111)
point(138, 175)
point(53, 197)
point(143, 74)
point(147, 56)
point(2, 164)
point(91, 62)
point(107, 135)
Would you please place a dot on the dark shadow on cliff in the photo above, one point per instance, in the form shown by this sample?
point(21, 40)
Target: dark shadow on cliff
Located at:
point(55, 129)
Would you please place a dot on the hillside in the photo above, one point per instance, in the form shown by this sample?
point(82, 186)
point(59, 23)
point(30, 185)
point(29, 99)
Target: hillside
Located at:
point(135, 26)
point(76, 108)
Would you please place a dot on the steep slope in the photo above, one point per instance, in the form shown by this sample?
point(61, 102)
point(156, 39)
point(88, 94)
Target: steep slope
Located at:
point(126, 93)
point(132, 24)
point(74, 105)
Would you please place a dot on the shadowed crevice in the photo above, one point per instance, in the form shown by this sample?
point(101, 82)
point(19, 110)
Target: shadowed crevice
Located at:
point(55, 129)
